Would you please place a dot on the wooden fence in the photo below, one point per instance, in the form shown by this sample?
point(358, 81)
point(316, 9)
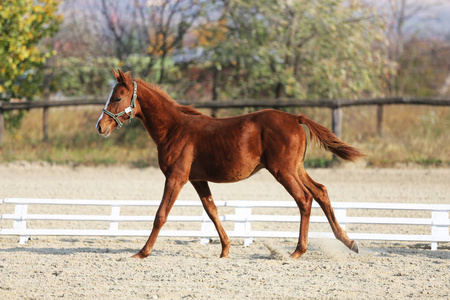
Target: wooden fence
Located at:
point(438, 220)
point(336, 107)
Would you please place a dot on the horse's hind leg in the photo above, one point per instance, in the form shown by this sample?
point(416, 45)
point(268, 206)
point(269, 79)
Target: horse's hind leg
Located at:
point(321, 196)
point(204, 192)
point(303, 198)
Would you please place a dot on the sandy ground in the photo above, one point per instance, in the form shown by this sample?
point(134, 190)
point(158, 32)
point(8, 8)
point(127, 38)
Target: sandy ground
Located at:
point(181, 268)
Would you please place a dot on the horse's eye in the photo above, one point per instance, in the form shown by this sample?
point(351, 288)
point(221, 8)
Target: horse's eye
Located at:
point(117, 99)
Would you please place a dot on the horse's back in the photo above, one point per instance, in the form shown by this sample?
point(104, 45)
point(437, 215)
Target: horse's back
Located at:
point(232, 149)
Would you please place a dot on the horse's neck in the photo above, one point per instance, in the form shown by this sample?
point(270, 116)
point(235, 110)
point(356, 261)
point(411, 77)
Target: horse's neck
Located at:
point(159, 115)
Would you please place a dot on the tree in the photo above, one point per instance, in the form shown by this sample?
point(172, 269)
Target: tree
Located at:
point(138, 35)
point(23, 25)
point(154, 30)
point(407, 20)
point(300, 48)
point(423, 68)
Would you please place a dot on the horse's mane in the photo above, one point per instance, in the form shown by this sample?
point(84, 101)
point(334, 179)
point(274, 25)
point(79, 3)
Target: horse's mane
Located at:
point(188, 110)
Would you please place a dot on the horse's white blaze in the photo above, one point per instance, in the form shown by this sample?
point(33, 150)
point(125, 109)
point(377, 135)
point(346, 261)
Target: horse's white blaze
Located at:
point(106, 105)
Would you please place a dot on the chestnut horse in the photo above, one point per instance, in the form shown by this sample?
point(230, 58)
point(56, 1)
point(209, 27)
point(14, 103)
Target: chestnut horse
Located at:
point(198, 148)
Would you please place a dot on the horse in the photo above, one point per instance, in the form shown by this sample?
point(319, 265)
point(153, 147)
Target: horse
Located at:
point(200, 149)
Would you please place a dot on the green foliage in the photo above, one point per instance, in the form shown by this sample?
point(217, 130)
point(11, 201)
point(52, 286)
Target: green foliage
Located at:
point(320, 163)
point(85, 77)
point(77, 76)
point(13, 119)
point(303, 49)
point(23, 24)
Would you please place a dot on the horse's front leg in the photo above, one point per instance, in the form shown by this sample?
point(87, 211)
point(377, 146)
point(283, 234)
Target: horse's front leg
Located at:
point(172, 188)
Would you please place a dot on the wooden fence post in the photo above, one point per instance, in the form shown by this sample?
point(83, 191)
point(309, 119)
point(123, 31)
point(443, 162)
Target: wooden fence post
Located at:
point(2, 124)
point(214, 112)
point(45, 124)
point(379, 119)
point(48, 78)
point(336, 125)
point(337, 119)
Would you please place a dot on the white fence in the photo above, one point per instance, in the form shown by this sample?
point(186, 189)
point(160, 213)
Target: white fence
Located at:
point(439, 222)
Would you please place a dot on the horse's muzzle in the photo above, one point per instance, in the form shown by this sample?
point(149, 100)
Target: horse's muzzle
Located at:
point(99, 129)
point(103, 131)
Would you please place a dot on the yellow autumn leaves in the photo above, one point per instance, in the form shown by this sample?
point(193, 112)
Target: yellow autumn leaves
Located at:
point(23, 24)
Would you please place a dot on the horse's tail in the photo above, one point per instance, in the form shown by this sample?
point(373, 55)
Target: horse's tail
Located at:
point(326, 139)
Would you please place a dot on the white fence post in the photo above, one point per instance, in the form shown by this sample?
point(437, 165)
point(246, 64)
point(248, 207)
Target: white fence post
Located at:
point(21, 210)
point(244, 226)
point(115, 212)
point(438, 230)
point(207, 228)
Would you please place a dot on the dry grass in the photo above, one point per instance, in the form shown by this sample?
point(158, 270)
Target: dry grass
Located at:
point(73, 139)
point(411, 135)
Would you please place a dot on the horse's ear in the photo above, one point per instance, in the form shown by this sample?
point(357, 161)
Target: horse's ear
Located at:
point(125, 78)
point(116, 75)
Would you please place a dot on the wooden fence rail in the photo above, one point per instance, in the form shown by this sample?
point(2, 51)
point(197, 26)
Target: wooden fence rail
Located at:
point(438, 220)
point(335, 105)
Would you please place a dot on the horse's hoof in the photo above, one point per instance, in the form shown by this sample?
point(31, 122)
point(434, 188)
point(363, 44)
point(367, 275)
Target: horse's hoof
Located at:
point(355, 247)
point(139, 255)
point(296, 255)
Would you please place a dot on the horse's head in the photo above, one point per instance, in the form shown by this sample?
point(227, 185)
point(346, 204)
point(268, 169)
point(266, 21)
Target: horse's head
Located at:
point(120, 105)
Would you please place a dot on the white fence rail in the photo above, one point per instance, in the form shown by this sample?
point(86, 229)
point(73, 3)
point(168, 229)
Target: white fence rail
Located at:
point(439, 222)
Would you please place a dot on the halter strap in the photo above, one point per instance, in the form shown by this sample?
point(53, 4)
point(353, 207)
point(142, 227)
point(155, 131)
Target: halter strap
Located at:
point(128, 110)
